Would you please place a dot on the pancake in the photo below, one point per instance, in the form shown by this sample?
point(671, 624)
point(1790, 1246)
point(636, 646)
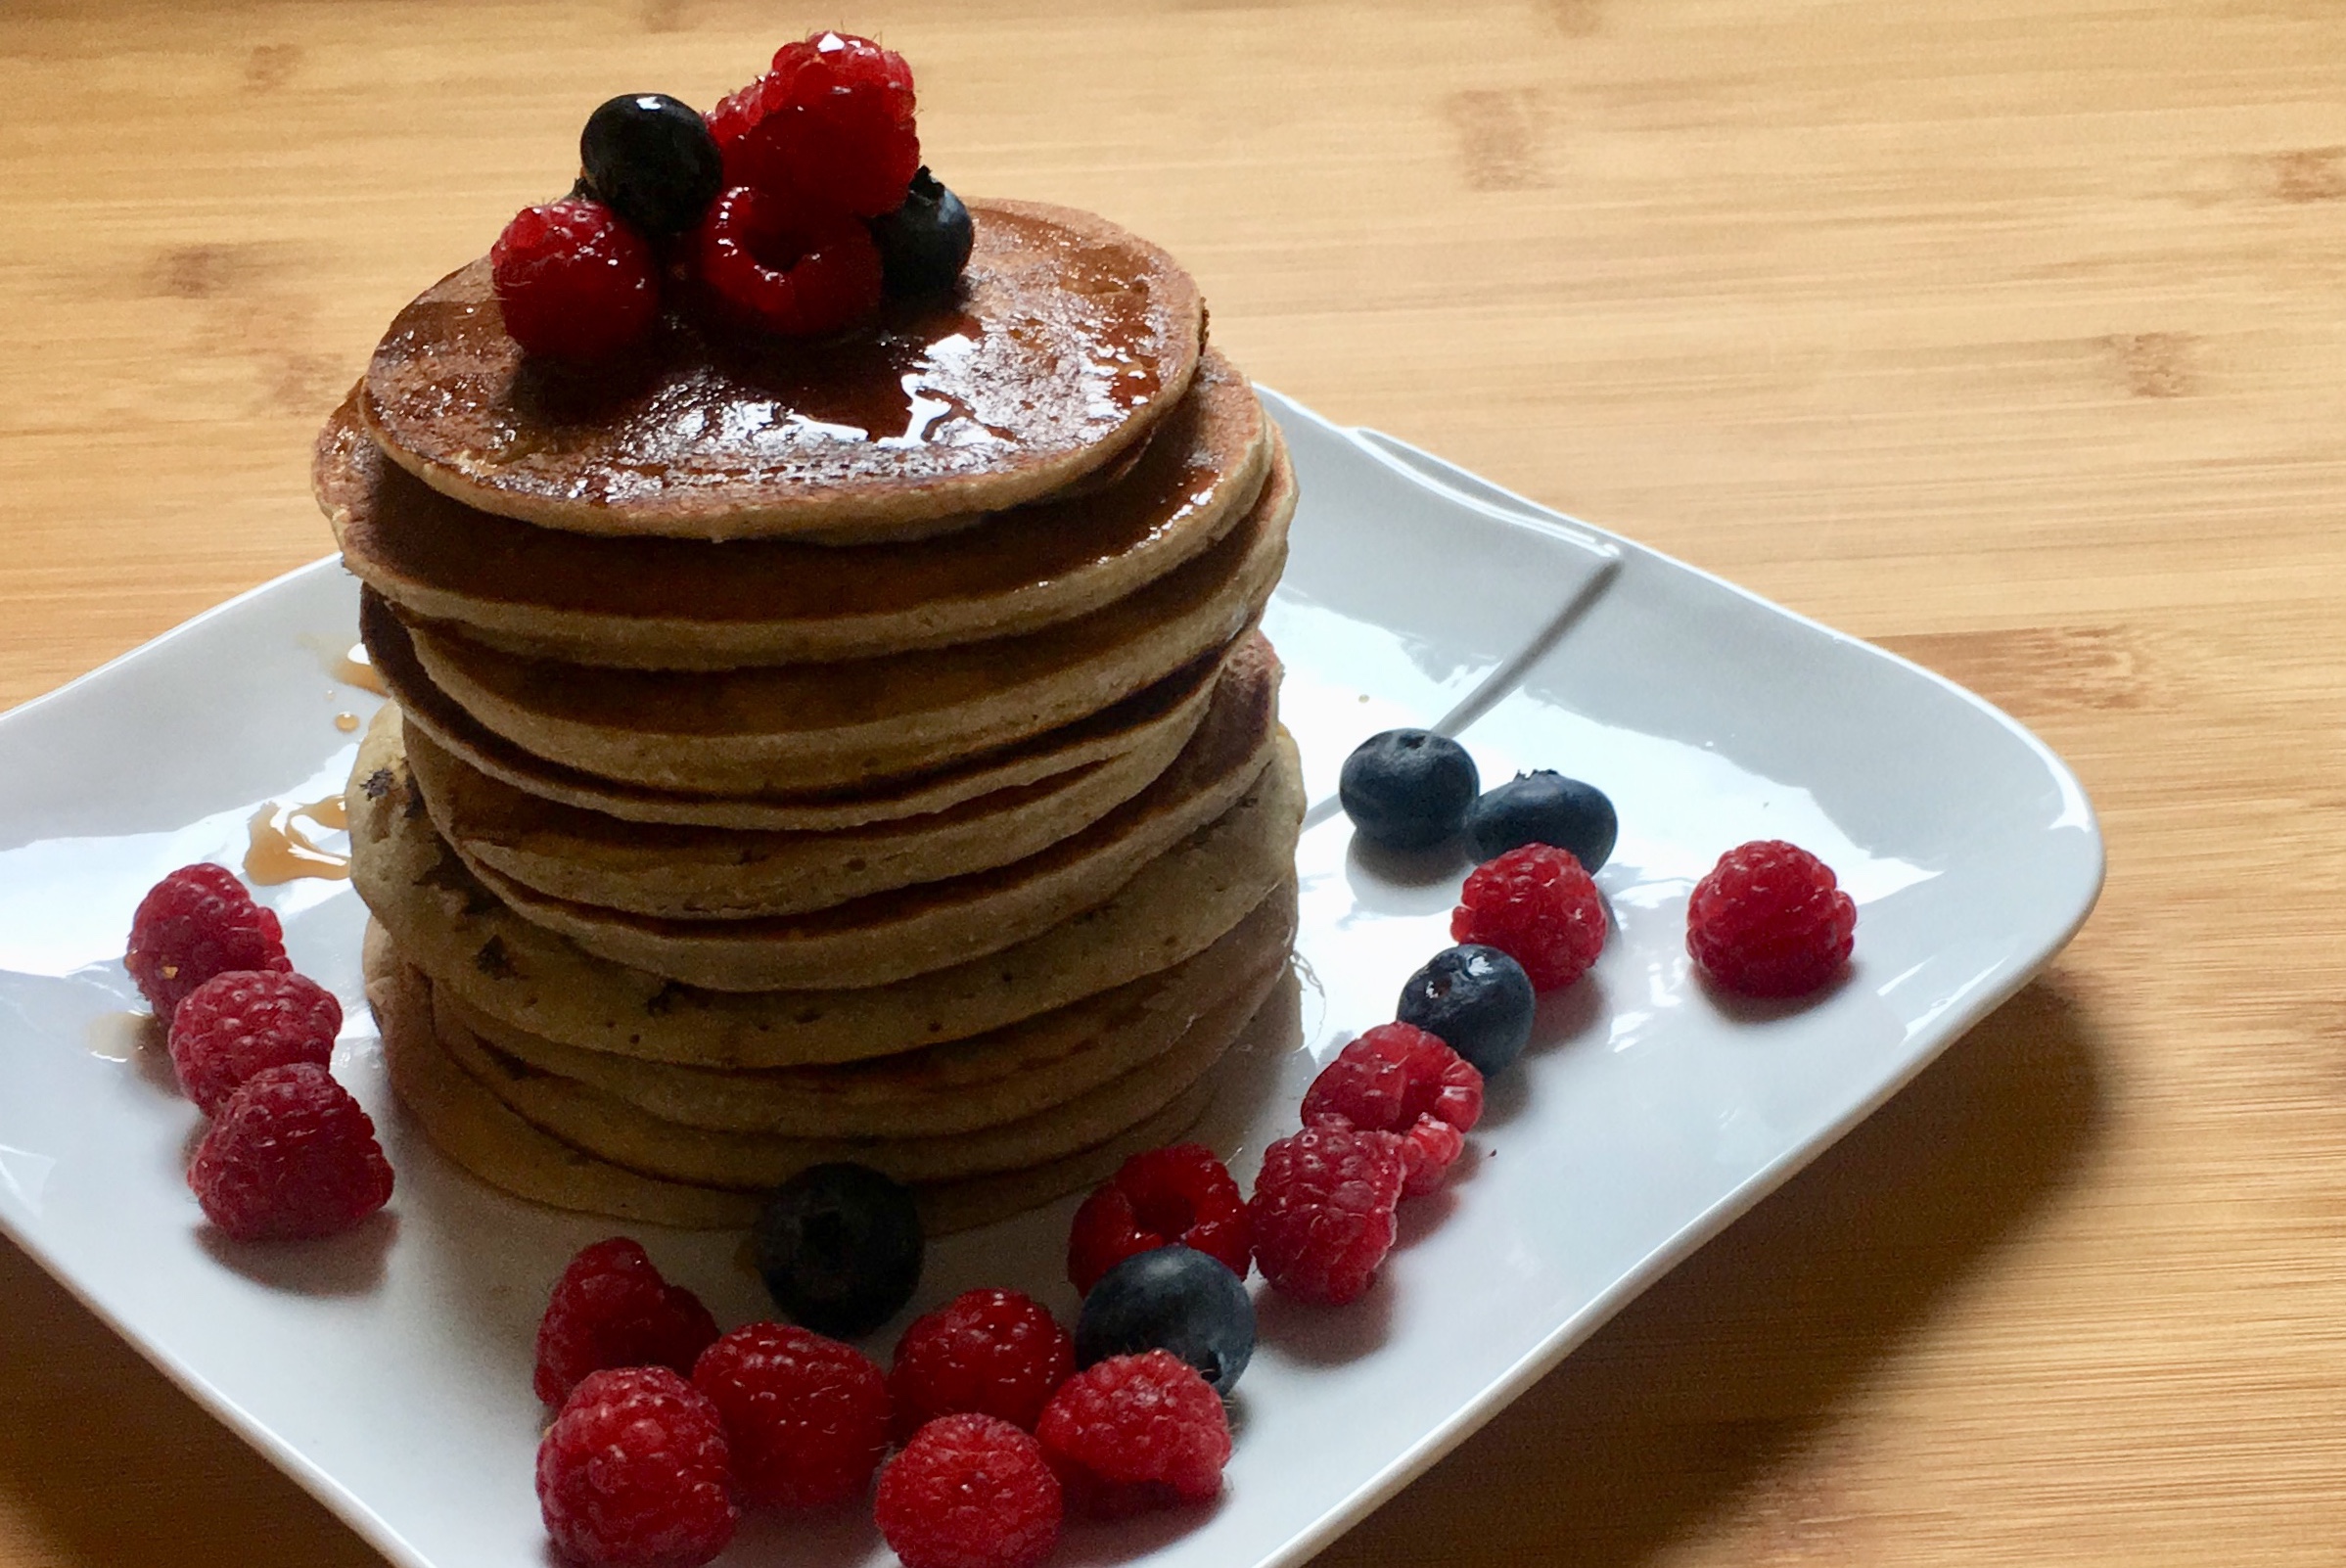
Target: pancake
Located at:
point(450, 925)
point(689, 873)
point(588, 1119)
point(479, 1133)
point(680, 604)
point(1066, 339)
point(907, 931)
point(1157, 719)
point(996, 1077)
point(698, 873)
point(812, 726)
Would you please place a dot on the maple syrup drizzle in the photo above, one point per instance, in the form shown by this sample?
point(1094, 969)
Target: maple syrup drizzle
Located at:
point(281, 849)
point(348, 724)
point(359, 669)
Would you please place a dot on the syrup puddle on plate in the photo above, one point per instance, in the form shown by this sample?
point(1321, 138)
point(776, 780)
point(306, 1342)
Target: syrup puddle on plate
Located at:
point(282, 849)
point(119, 1036)
point(357, 669)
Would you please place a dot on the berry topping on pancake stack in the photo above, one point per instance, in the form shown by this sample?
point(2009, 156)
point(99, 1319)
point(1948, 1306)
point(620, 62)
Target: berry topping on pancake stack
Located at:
point(830, 724)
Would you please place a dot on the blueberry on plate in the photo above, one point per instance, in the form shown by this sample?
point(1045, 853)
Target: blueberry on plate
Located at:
point(1544, 808)
point(652, 161)
point(838, 1247)
point(926, 242)
point(1477, 1000)
point(1408, 789)
point(1173, 1299)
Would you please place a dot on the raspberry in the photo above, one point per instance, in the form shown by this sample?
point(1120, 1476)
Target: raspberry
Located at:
point(805, 1418)
point(1537, 907)
point(969, 1491)
point(995, 1351)
point(195, 923)
point(634, 1473)
point(1162, 1196)
point(611, 1308)
point(1322, 1212)
point(746, 161)
point(575, 280)
point(290, 1156)
point(830, 125)
point(238, 1023)
point(1399, 1079)
point(785, 269)
point(1136, 1432)
point(1771, 920)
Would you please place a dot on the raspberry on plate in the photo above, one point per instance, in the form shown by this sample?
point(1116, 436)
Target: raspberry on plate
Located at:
point(994, 1352)
point(634, 1473)
point(1323, 1211)
point(1156, 1198)
point(805, 1418)
point(1537, 907)
point(611, 1308)
point(1771, 920)
point(573, 280)
point(969, 1491)
point(1135, 1433)
point(195, 923)
point(777, 266)
point(831, 122)
point(1399, 1079)
point(238, 1023)
point(291, 1156)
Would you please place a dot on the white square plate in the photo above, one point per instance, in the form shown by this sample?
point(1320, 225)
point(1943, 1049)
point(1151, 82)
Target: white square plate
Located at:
point(388, 1370)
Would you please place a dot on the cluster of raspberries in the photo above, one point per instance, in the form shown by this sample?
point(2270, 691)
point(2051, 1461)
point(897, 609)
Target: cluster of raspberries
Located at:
point(1389, 1117)
point(789, 209)
point(290, 1155)
point(668, 1430)
point(1384, 1121)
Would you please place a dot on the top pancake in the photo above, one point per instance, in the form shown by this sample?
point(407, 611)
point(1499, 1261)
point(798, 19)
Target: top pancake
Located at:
point(1067, 340)
point(655, 603)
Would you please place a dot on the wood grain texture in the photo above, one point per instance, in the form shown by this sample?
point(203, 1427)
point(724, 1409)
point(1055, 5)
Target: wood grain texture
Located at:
point(2009, 334)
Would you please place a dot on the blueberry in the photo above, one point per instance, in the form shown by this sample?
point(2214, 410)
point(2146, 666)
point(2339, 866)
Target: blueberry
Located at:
point(1408, 789)
point(838, 1247)
point(1478, 1000)
point(1544, 808)
point(1171, 1299)
point(651, 160)
point(925, 243)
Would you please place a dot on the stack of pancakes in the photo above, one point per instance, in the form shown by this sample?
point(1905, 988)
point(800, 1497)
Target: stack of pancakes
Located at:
point(854, 751)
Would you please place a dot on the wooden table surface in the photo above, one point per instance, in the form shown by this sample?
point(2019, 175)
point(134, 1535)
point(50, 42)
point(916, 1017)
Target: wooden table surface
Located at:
point(2006, 333)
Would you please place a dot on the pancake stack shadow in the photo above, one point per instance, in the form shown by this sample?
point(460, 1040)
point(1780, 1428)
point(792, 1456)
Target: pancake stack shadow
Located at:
point(791, 790)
